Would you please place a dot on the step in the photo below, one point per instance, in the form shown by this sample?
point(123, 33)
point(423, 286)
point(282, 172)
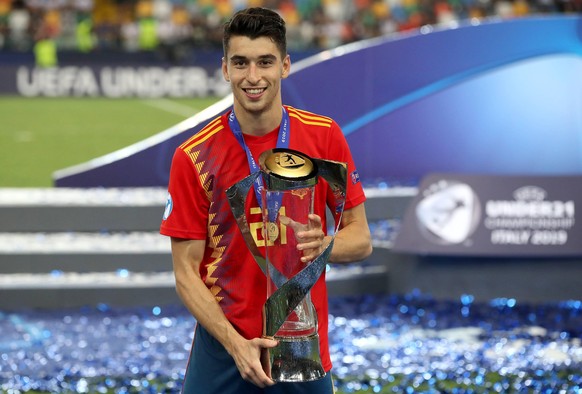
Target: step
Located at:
point(135, 209)
point(125, 288)
point(71, 247)
point(27, 209)
point(84, 252)
point(98, 252)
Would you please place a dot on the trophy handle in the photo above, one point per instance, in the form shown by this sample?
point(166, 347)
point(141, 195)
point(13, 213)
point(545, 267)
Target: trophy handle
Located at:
point(335, 173)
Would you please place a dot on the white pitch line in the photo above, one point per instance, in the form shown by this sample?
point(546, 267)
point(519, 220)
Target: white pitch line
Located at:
point(171, 107)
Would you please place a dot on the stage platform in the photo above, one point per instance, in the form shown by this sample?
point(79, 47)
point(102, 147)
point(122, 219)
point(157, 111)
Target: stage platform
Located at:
point(76, 247)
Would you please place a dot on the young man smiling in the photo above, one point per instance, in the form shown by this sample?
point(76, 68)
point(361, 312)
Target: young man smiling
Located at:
point(217, 278)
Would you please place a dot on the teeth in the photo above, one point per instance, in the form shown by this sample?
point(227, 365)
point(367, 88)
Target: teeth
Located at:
point(254, 91)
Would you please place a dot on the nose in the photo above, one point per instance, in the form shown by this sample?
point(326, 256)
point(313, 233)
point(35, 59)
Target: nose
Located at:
point(253, 75)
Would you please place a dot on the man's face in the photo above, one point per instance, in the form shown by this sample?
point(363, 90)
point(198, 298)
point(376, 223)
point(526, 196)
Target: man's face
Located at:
point(254, 69)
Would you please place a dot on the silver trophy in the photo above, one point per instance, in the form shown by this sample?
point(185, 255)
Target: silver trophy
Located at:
point(286, 184)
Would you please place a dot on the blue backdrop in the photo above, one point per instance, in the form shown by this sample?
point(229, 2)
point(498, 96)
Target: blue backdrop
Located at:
point(499, 97)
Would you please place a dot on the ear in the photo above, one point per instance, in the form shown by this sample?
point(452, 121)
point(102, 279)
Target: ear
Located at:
point(286, 67)
point(225, 71)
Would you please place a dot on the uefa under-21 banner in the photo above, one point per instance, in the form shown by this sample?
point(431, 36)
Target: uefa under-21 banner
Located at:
point(489, 215)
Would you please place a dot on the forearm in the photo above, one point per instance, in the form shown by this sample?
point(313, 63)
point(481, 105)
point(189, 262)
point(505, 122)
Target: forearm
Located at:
point(205, 308)
point(345, 252)
point(353, 241)
point(196, 297)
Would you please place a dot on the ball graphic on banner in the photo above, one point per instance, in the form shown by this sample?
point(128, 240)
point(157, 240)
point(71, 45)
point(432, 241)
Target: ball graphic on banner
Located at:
point(449, 213)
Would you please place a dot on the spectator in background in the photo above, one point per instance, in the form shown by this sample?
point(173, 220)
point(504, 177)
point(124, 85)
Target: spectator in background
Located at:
point(18, 26)
point(161, 24)
point(84, 34)
point(174, 32)
point(45, 51)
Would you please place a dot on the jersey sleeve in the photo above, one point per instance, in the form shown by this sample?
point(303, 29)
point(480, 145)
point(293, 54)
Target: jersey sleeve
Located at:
point(186, 212)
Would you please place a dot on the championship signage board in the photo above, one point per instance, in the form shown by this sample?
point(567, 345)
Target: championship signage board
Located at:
point(114, 81)
point(489, 215)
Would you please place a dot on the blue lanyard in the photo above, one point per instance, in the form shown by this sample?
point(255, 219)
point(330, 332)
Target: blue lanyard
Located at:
point(282, 142)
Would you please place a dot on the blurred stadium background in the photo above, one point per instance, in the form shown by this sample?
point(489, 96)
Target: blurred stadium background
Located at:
point(86, 293)
point(177, 26)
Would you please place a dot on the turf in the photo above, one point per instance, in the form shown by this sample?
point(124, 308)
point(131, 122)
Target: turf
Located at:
point(41, 135)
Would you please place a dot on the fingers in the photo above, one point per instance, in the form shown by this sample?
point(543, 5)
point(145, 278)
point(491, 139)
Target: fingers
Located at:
point(258, 377)
point(310, 236)
point(253, 363)
point(311, 240)
point(287, 221)
point(314, 221)
point(313, 229)
point(267, 343)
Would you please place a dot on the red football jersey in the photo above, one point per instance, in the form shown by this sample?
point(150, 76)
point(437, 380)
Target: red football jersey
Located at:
point(203, 168)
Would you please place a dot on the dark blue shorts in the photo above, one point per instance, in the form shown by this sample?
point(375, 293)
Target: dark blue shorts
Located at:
point(211, 370)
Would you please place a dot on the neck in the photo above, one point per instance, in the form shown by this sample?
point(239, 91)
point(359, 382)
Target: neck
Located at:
point(259, 124)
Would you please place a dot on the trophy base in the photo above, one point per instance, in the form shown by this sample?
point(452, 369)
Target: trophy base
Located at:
point(296, 359)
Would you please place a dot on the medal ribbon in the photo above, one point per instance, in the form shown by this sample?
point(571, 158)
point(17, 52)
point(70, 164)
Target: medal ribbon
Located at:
point(282, 142)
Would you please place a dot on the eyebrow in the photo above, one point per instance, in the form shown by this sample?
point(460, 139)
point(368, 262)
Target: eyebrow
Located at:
point(236, 58)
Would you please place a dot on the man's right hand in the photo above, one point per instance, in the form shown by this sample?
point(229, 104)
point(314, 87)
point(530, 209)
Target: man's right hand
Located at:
point(252, 362)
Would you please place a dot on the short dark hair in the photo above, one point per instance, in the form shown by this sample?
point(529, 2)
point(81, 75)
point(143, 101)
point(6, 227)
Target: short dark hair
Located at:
point(254, 23)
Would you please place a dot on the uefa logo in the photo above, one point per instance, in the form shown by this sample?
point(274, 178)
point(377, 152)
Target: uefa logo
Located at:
point(448, 212)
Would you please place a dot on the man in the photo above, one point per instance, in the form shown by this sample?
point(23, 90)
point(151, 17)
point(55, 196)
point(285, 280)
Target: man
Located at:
point(217, 278)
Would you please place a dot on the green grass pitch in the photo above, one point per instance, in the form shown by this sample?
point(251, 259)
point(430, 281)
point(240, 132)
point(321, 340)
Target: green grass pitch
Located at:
point(41, 135)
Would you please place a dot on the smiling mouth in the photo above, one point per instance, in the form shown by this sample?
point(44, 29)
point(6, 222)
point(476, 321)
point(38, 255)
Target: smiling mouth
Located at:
point(254, 91)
